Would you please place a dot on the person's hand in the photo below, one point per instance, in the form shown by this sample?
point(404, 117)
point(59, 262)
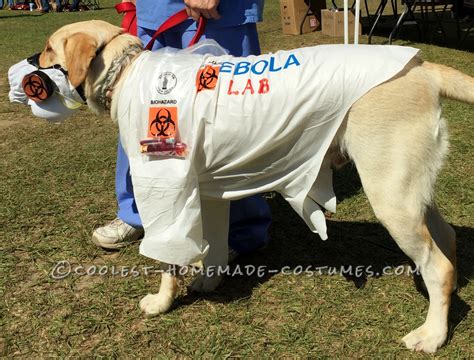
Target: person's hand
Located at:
point(131, 1)
point(205, 8)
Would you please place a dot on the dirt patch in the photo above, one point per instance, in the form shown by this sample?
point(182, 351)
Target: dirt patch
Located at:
point(6, 123)
point(87, 282)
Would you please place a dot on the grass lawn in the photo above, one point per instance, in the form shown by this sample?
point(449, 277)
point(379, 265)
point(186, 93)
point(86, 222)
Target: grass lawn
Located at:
point(57, 185)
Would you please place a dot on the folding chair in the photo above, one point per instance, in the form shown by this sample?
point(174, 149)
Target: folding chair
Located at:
point(378, 14)
point(314, 8)
point(425, 6)
point(91, 4)
point(466, 4)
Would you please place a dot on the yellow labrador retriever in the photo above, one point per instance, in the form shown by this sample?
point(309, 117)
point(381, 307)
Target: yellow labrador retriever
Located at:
point(395, 129)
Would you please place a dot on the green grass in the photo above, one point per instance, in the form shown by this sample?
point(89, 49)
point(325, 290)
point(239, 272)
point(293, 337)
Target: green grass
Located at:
point(56, 185)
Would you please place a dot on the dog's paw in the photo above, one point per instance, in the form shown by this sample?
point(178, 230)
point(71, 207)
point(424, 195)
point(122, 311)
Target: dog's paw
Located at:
point(204, 283)
point(425, 339)
point(154, 304)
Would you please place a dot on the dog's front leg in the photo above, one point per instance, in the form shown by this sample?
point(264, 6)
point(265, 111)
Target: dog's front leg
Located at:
point(154, 304)
point(215, 223)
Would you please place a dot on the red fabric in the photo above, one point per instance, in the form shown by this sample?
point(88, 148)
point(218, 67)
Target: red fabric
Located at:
point(174, 20)
point(129, 21)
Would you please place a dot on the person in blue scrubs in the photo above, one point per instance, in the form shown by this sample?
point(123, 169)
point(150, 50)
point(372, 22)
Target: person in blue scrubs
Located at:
point(232, 23)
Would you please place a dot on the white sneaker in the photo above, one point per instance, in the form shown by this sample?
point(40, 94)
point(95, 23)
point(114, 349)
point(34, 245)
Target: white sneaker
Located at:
point(116, 234)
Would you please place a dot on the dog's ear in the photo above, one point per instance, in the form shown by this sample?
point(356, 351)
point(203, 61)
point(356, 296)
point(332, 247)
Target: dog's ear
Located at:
point(79, 51)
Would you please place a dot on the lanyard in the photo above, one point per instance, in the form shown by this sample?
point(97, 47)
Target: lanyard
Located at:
point(129, 23)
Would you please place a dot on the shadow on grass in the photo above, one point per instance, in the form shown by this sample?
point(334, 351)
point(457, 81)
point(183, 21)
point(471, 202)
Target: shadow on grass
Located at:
point(21, 15)
point(351, 245)
point(346, 182)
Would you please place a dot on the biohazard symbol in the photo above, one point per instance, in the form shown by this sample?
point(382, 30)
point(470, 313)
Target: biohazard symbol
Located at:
point(35, 87)
point(207, 78)
point(163, 122)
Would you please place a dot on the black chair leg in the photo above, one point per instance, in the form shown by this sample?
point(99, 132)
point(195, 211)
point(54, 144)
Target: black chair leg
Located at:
point(308, 12)
point(439, 21)
point(408, 11)
point(397, 25)
point(379, 13)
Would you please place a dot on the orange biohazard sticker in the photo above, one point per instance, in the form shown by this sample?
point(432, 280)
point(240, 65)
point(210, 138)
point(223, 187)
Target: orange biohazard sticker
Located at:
point(207, 78)
point(163, 122)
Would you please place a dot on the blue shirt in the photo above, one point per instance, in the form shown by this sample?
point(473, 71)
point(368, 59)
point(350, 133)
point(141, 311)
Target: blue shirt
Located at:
point(152, 13)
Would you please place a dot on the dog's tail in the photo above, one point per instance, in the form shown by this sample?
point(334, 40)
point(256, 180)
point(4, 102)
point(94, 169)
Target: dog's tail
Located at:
point(453, 84)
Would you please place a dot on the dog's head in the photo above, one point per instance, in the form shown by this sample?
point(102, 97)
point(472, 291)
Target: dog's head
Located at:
point(82, 53)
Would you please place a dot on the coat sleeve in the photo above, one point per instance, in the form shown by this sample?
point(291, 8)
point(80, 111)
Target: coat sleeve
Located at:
point(170, 210)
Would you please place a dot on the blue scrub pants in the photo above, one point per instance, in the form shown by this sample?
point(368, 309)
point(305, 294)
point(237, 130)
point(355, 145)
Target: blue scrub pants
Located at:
point(250, 218)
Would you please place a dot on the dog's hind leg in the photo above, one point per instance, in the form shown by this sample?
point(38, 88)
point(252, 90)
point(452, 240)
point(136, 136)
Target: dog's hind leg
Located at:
point(430, 242)
point(398, 158)
point(437, 263)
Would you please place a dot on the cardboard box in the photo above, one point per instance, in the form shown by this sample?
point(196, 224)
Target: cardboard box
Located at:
point(293, 13)
point(333, 23)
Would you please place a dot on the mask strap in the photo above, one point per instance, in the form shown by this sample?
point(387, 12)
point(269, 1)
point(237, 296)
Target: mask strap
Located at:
point(69, 102)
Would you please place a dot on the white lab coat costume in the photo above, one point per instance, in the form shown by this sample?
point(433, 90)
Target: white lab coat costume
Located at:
point(240, 145)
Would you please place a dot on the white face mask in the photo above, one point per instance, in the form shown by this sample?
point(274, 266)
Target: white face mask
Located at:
point(53, 98)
